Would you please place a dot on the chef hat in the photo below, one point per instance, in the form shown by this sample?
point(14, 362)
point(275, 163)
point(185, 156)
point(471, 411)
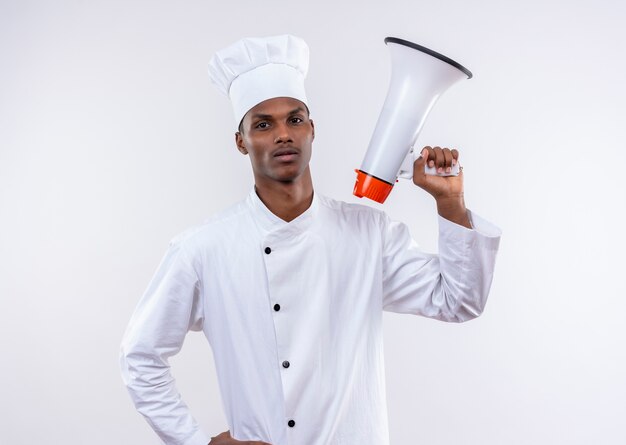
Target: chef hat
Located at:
point(256, 69)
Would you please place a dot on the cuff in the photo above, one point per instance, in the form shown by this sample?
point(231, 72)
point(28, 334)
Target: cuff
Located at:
point(199, 438)
point(479, 224)
point(482, 232)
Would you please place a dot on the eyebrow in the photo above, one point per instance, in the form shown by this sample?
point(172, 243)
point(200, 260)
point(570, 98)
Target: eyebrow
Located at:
point(261, 116)
point(269, 116)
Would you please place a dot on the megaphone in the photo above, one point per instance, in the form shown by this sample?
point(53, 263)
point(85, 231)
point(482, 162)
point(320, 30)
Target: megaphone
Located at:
point(418, 77)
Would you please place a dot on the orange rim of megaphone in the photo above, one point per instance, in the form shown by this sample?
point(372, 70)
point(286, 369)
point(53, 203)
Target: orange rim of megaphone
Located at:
point(368, 186)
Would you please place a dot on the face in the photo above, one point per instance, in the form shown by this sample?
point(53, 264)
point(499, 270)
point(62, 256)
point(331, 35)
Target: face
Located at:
point(277, 134)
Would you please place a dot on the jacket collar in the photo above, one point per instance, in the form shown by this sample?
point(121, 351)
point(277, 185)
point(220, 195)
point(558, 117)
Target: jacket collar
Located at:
point(268, 222)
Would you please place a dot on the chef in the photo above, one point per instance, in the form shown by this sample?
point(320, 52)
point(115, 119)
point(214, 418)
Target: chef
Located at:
point(289, 286)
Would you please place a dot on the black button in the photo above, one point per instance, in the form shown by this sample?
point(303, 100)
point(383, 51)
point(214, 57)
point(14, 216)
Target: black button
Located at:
point(285, 364)
point(268, 250)
point(291, 423)
point(277, 307)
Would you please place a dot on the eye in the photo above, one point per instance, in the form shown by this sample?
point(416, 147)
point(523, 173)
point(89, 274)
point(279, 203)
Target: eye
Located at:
point(262, 125)
point(296, 120)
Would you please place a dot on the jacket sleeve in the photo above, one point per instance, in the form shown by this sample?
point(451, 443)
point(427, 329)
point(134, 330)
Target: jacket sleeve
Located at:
point(170, 307)
point(452, 286)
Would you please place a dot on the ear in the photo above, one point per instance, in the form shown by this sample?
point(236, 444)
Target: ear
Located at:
point(312, 128)
point(240, 145)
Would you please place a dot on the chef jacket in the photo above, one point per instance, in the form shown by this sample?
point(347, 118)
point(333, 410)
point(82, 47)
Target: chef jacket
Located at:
point(293, 314)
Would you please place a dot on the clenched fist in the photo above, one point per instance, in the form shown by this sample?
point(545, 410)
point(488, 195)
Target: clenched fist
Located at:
point(447, 190)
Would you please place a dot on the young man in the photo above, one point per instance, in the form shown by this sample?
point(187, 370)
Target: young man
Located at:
point(289, 286)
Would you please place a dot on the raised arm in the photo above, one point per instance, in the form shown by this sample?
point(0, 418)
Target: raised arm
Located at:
point(450, 286)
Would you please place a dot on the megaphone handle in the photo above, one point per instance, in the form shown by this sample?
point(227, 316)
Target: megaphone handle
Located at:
point(406, 169)
point(433, 170)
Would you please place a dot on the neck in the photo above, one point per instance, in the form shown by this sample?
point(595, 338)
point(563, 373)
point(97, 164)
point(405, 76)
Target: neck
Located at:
point(287, 200)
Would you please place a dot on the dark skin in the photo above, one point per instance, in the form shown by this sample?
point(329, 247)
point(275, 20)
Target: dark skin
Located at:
point(225, 439)
point(278, 135)
point(447, 190)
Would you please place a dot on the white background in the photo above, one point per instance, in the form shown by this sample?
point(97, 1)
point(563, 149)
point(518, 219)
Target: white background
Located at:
point(112, 141)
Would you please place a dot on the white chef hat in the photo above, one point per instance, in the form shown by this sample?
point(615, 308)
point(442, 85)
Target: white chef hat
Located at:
point(256, 69)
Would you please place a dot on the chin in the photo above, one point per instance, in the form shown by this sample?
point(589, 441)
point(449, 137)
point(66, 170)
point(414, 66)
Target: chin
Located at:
point(289, 176)
point(287, 179)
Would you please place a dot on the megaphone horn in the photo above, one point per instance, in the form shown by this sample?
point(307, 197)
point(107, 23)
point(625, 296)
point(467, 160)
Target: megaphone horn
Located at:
point(418, 77)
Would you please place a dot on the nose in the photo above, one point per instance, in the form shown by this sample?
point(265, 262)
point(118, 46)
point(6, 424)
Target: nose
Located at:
point(282, 134)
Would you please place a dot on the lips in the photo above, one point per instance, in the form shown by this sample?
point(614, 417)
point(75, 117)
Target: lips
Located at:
point(286, 154)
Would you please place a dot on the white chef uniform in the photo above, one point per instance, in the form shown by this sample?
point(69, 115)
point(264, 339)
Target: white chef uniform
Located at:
point(293, 311)
point(293, 314)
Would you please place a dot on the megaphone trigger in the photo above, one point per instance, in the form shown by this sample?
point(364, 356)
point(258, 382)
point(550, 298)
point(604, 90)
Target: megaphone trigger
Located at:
point(406, 169)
